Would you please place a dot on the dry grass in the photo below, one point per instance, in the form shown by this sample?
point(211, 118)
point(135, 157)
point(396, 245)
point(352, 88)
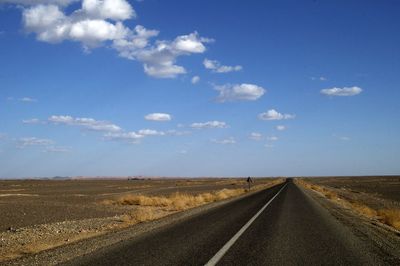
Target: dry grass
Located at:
point(176, 201)
point(184, 201)
point(389, 217)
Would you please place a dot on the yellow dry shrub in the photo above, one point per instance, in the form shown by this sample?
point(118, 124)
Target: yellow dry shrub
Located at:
point(364, 210)
point(390, 217)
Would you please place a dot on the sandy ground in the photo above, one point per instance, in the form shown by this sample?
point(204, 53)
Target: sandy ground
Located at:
point(43, 214)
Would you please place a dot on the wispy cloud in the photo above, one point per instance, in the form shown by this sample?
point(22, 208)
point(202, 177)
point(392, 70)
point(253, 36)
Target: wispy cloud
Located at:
point(275, 115)
point(27, 100)
point(158, 117)
point(130, 137)
point(33, 141)
point(239, 92)
point(217, 67)
point(256, 136)
point(272, 138)
point(230, 140)
point(32, 121)
point(150, 132)
point(346, 91)
point(56, 149)
point(319, 78)
point(280, 127)
point(86, 123)
point(209, 124)
point(195, 79)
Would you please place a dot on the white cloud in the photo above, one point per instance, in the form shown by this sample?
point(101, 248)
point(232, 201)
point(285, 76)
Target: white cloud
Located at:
point(195, 79)
point(239, 92)
point(346, 91)
point(159, 60)
point(33, 141)
point(344, 138)
point(256, 136)
point(101, 22)
point(108, 9)
point(209, 124)
point(38, 2)
point(86, 123)
point(158, 117)
point(174, 132)
point(319, 78)
point(229, 140)
point(281, 127)
point(31, 121)
point(27, 100)
point(56, 149)
point(150, 132)
point(216, 66)
point(130, 137)
point(274, 115)
point(272, 138)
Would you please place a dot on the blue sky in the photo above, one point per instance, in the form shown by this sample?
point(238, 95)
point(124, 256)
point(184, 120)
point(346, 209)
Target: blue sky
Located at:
point(199, 88)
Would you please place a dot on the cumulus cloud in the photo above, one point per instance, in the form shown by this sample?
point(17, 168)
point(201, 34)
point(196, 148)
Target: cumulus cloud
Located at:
point(256, 136)
point(108, 9)
point(209, 124)
point(274, 115)
point(86, 123)
point(280, 127)
point(101, 22)
point(216, 66)
point(346, 91)
point(195, 79)
point(229, 140)
point(239, 92)
point(38, 2)
point(160, 60)
point(33, 141)
point(158, 117)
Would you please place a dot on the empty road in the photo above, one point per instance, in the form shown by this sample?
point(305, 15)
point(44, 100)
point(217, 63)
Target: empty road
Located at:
point(292, 229)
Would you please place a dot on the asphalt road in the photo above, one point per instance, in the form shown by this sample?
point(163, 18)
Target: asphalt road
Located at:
point(292, 230)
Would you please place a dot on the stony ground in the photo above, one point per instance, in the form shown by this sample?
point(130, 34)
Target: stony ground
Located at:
point(38, 215)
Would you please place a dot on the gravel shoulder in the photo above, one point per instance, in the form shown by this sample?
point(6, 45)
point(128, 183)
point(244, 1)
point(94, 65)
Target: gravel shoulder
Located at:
point(380, 238)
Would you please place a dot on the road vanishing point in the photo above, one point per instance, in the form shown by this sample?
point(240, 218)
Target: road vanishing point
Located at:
point(281, 225)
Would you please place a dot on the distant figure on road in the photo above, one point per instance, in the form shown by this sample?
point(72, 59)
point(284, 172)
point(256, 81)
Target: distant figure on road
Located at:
point(249, 181)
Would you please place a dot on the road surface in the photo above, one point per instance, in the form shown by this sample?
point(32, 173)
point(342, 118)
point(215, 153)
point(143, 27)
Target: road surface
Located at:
point(292, 229)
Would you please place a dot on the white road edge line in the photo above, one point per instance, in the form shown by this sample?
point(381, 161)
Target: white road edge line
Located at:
point(214, 260)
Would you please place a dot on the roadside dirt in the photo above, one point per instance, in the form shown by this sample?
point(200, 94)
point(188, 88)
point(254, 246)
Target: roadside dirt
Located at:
point(76, 218)
point(383, 239)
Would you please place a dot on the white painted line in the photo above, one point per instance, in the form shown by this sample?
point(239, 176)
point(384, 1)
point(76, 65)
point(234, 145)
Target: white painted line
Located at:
point(214, 260)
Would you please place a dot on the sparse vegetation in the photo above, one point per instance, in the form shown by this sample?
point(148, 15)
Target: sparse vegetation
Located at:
point(176, 201)
point(388, 216)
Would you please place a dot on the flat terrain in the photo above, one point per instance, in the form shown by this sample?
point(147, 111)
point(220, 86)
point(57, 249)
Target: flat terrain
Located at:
point(31, 202)
point(41, 214)
point(292, 230)
point(290, 223)
point(387, 187)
